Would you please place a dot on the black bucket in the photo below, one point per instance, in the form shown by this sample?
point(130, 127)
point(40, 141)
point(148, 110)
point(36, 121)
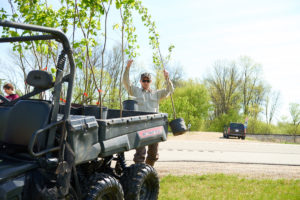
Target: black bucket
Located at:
point(93, 110)
point(76, 109)
point(130, 105)
point(178, 126)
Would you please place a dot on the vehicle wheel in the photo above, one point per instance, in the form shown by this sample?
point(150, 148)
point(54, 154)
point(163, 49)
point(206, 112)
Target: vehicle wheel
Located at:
point(118, 172)
point(140, 182)
point(72, 194)
point(239, 137)
point(243, 137)
point(104, 187)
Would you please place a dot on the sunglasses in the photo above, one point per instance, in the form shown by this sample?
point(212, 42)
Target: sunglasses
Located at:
point(144, 81)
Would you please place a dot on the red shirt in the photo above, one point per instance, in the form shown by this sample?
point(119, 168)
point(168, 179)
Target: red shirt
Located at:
point(12, 97)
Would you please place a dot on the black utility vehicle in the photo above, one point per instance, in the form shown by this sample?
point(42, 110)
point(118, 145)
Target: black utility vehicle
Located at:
point(235, 130)
point(54, 151)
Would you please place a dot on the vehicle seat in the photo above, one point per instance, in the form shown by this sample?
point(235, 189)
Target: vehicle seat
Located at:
point(25, 118)
point(4, 111)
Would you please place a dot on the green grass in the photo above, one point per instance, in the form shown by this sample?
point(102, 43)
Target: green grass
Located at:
point(220, 186)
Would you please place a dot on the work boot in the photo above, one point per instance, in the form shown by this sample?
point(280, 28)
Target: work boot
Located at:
point(150, 162)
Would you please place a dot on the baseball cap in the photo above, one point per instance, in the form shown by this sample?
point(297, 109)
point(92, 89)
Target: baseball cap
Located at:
point(146, 75)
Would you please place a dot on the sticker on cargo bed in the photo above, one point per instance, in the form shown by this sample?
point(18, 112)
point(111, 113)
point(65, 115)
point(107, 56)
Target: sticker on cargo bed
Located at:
point(151, 132)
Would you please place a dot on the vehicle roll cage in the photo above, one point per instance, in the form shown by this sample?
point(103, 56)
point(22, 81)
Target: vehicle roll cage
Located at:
point(59, 36)
point(52, 34)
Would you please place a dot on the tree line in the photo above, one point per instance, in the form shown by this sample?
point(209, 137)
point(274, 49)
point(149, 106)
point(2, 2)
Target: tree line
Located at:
point(234, 91)
point(231, 92)
point(86, 24)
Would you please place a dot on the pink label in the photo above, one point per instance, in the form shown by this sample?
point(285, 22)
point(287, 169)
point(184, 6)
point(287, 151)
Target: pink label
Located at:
point(151, 132)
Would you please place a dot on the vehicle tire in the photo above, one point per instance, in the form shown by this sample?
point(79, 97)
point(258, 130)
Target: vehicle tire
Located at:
point(140, 182)
point(243, 137)
point(118, 171)
point(104, 187)
point(72, 194)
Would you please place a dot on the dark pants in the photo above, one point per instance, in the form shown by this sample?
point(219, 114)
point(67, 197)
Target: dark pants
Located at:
point(152, 154)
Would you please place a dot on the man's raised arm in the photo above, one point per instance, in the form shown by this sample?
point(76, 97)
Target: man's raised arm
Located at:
point(169, 88)
point(126, 80)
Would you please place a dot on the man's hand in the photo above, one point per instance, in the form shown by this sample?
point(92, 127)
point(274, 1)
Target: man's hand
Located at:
point(129, 62)
point(166, 74)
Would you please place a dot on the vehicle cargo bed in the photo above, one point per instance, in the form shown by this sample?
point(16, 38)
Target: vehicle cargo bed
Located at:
point(133, 130)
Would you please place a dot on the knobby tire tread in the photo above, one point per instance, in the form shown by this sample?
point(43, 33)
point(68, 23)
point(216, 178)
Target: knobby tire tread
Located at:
point(135, 176)
point(101, 183)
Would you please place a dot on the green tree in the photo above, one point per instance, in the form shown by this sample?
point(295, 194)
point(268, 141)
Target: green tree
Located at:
point(271, 105)
point(237, 91)
point(295, 115)
point(253, 91)
point(176, 74)
point(260, 127)
point(223, 86)
point(250, 83)
point(85, 23)
point(217, 123)
point(191, 103)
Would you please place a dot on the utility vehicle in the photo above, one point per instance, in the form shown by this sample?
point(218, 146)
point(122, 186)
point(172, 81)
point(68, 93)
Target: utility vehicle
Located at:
point(53, 151)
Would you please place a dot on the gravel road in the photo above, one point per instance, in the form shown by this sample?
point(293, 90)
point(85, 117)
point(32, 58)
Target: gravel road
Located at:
point(245, 170)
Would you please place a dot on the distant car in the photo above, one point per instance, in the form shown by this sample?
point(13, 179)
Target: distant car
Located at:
point(235, 130)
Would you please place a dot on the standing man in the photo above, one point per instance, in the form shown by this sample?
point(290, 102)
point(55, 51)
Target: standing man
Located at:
point(148, 101)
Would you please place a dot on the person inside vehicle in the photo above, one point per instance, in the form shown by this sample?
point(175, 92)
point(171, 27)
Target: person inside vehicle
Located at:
point(148, 101)
point(9, 90)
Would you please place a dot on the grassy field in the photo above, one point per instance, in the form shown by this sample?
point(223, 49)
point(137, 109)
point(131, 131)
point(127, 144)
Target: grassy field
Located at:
point(220, 186)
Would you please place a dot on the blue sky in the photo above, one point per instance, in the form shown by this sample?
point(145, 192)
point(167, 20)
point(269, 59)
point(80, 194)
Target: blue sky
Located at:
point(203, 32)
point(268, 31)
